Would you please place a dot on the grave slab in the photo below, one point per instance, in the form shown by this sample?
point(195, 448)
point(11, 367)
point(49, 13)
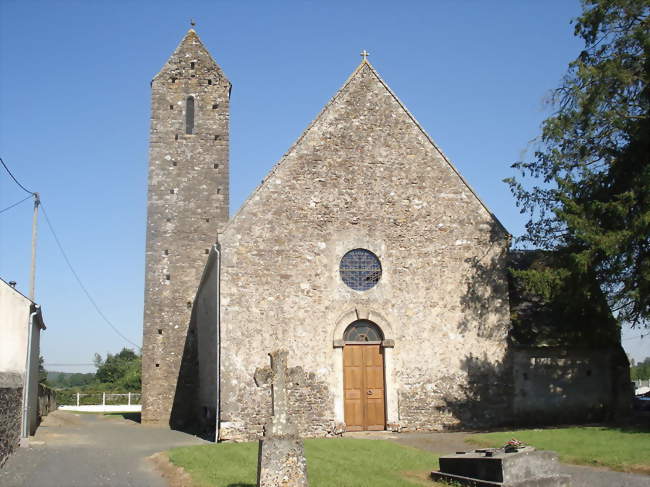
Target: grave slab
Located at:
point(496, 467)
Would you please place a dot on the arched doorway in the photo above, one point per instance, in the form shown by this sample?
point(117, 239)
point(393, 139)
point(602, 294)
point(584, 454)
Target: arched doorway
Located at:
point(363, 377)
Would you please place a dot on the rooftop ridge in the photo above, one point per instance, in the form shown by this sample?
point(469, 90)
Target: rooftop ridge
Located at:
point(190, 36)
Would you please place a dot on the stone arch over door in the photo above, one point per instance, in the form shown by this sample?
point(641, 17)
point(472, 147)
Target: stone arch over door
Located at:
point(387, 346)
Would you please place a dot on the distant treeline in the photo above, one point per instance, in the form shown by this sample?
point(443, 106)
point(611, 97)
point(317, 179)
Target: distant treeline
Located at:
point(118, 372)
point(63, 380)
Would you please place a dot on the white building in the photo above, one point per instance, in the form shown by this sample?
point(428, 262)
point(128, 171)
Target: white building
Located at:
point(21, 322)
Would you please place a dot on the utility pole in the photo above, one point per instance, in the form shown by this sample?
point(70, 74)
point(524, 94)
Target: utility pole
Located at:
point(37, 202)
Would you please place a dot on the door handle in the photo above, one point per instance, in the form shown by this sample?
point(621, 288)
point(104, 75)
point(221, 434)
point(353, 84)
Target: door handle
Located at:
point(369, 392)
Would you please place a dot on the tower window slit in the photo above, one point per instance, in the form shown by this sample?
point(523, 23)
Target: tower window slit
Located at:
point(189, 115)
point(192, 65)
point(209, 81)
point(171, 107)
point(215, 106)
point(216, 166)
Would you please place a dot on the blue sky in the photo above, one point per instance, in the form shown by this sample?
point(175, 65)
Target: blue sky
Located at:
point(74, 117)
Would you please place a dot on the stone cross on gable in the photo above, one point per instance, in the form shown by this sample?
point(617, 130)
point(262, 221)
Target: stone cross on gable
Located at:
point(279, 376)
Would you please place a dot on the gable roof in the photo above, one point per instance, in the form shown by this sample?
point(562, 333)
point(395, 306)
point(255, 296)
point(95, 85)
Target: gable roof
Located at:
point(364, 64)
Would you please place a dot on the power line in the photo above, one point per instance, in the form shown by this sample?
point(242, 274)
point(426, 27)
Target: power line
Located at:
point(81, 285)
point(16, 204)
point(14, 178)
point(65, 365)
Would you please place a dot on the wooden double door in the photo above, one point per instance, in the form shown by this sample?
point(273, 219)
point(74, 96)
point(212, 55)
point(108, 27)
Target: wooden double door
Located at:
point(363, 386)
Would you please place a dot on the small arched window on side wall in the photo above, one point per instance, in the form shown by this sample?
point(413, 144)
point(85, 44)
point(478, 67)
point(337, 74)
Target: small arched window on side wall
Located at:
point(189, 115)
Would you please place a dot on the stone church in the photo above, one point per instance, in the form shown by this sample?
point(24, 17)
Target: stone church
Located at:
point(364, 253)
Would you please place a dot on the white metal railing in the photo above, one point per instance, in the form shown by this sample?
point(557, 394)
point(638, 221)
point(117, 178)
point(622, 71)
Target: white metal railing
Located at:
point(106, 398)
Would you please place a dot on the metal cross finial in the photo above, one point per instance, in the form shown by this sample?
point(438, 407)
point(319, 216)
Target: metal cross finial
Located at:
point(364, 54)
point(192, 23)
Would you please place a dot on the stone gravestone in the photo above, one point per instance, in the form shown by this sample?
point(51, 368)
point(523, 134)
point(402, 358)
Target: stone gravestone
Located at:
point(281, 457)
point(499, 467)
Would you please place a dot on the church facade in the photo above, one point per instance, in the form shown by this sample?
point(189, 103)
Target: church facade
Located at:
point(364, 253)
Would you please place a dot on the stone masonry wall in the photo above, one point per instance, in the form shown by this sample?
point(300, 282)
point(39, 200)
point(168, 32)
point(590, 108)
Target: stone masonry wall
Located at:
point(11, 400)
point(365, 175)
point(309, 409)
point(564, 385)
point(186, 208)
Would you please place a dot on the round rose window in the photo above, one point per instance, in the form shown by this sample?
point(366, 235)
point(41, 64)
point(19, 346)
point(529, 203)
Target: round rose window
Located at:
point(360, 269)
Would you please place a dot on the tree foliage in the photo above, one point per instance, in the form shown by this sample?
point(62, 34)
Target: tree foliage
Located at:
point(590, 202)
point(60, 380)
point(641, 371)
point(42, 374)
point(121, 370)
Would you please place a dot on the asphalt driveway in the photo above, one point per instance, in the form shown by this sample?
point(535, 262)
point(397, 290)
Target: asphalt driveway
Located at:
point(91, 450)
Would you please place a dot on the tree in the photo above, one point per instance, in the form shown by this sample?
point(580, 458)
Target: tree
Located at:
point(590, 202)
point(42, 374)
point(641, 371)
point(121, 370)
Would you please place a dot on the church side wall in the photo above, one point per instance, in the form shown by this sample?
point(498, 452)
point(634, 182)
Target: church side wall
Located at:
point(565, 385)
point(205, 315)
point(365, 176)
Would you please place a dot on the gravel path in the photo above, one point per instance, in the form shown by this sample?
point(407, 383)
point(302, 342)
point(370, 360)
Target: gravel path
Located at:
point(75, 450)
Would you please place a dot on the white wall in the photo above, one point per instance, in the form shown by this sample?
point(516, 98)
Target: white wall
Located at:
point(15, 310)
point(14, 319)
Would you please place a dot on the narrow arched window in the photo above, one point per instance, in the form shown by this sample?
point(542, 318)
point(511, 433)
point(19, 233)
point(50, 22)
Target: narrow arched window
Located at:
point(189, 115)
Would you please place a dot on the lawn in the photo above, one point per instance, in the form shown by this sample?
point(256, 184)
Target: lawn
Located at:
point(615, 448)
point(330, 462)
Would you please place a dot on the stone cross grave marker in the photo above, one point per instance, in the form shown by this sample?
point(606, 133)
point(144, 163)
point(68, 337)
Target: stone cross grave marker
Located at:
point(281, 456)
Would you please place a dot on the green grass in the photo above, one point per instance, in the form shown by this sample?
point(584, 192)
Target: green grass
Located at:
point(618, 449)
point(330, 462)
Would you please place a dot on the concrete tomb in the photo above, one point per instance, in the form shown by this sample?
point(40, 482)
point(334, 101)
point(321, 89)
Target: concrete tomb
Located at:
point(281, 456)
point(519, 467)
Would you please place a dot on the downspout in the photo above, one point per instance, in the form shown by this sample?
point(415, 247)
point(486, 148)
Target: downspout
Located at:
point(217, 249)
point(27, 383)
